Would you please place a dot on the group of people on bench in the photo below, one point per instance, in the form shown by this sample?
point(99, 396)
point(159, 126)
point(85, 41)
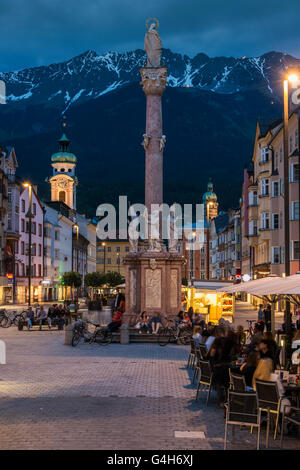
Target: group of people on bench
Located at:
point(56, 315)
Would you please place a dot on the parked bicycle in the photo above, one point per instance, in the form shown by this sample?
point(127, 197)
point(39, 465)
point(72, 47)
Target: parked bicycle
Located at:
point(100, 335)
point(174, 333)
point(250, 331)
point(11, 318)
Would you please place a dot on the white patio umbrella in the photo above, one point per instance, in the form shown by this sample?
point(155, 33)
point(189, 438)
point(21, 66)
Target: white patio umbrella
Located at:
point(255, 283)
point(260, 288)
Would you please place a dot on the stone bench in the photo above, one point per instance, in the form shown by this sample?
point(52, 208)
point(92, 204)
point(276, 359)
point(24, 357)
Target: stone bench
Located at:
point(136, 337)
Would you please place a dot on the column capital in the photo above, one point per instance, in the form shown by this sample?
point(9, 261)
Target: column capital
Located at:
point(154, 80)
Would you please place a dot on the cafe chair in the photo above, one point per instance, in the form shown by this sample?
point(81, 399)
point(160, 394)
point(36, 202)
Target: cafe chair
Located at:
point(192, 355)
point(197, 364)
point(204, 381)
point(241, 410)
point(269, 401)
point(237, 382)
point(203, 351)
point(294, 419)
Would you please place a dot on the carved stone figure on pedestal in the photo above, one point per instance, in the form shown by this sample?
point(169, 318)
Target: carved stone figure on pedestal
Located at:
point(146, 141)
point(153, 44)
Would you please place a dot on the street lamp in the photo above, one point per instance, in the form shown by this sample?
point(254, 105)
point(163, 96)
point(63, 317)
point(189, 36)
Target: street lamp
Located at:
point(76, 227)
point(207, 238)
point(103, 244)
point(292, 78)
point(29, 215)
point(118, 262)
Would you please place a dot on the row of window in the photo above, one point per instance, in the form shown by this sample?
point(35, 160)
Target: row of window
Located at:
point(265, 153)
point(25, 228)
point(277, 186)
point(109, 249)
point(36, 249)
point(276, 220)
point(277, 252)
point(108, 261)
point(22, 270)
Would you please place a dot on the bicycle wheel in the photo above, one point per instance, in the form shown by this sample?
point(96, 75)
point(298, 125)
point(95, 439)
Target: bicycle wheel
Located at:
point(76, 339)
point(6, 322)
point(103, 338)
point(164, 337)
point(18, 318)
point(185, 337)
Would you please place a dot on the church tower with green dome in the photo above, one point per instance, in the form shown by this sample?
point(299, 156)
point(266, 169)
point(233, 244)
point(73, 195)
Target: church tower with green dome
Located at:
point(210, 200)
point(63, 181)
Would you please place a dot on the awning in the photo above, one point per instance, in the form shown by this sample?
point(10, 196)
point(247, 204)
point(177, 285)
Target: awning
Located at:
point(270, 285)
point(265, 283)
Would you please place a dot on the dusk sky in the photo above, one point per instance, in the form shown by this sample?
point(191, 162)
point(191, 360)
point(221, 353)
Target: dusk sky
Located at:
point(39, 32)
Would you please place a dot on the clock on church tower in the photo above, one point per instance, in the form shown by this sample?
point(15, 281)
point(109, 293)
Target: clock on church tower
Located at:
point(63, 181)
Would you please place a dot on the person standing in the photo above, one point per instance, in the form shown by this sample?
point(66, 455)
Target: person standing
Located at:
point(267, 317)
point(298, 318)
point(260, 315)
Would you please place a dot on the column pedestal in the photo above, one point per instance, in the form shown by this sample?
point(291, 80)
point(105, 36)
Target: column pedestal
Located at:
point(153, 283)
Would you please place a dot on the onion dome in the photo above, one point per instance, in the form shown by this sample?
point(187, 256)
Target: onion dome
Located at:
point(63, 156)
point(209, 196)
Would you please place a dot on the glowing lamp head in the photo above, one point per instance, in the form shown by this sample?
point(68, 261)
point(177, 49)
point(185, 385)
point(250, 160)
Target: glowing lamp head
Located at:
point(293, 78)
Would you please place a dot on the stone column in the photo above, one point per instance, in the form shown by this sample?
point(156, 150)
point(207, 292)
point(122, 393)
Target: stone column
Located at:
point(154, 84)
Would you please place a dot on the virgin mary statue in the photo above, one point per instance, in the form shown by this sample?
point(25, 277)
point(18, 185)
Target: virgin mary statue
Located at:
point(153, 46)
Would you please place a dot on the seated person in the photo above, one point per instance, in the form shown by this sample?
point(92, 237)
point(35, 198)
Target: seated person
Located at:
point(248, 368)
point(42, 315)
point(256, 338)
point(186, 322)
point(179, 318)
point(197, 336)
point(264, 371)
point(264, 350)
point(143, 323)
point(211, 338)
point(155, 323)
point(51, 314)
point(219, 356)
point(59, 313)
point(29, 317)
point(116, 321)
point(272, 345)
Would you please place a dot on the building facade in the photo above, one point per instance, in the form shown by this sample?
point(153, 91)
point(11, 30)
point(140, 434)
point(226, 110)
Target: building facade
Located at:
point(195, 267)
point(12, 223)
point(263, 206)
point(3, 217)
point(110, 255)
point(37, 248)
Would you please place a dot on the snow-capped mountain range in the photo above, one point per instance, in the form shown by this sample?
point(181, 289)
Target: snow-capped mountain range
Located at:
point(90, 75)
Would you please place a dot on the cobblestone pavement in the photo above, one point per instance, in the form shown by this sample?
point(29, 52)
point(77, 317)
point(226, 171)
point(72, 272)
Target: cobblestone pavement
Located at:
point(125, 397)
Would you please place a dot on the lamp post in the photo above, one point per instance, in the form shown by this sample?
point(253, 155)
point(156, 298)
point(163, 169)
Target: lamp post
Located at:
point(118, 262)
point(207, 240)
point(29, 215)
point(103, 244)
point(76, 227)
point(292, 79)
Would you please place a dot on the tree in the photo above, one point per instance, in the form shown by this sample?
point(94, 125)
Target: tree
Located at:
point(72, 279)
point(114, 278)
point(94, 280)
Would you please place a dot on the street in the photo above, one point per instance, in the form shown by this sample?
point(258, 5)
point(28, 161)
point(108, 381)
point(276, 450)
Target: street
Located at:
point(134, 396)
